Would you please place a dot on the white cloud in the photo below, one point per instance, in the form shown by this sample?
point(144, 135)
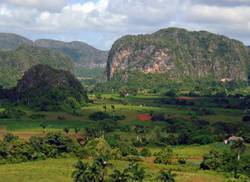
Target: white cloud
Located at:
point(109, 19)
point(49, 5)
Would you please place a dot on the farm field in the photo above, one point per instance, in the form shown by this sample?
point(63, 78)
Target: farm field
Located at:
point(60, 169)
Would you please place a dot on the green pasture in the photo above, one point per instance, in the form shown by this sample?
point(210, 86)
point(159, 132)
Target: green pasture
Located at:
point(53, 170)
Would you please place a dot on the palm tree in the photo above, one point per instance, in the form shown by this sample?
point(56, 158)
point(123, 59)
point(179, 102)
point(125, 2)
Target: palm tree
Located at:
point(43, 125)
point(102, 165)
point(113, 111)
point(105, 108)
point(79, 175)
point(118, 176)
point(166, 176)
point(238, 147)
point(137, 172)
point(66, 130)
point(95, 173)
point(76, 130)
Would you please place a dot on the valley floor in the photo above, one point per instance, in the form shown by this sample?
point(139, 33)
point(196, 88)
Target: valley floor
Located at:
point(53, 170)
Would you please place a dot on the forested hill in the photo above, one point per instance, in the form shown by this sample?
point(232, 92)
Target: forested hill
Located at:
point(10, 41)
point(14, 63)
point(81, 53)
point(180, 54)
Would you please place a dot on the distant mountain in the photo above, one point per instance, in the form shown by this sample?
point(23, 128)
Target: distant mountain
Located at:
point(178, 54)
point(10, 41)
point(81, 53)
point(18, 54)
point(14, 63)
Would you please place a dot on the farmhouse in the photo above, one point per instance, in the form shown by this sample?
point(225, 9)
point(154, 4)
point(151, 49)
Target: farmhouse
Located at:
point(233, 139)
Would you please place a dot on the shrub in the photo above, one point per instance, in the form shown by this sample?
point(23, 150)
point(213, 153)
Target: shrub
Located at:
point(246, 118)
point(171, 93)
point(12, 113)
point(212, 160)
point(164, 156)
point(145, 152)
point(98, 146)
point(37, 116)
point(9, 137)
point(182, 161)
point(140, 142)
point(128, 150)
point(99, 116)
point(158, 117)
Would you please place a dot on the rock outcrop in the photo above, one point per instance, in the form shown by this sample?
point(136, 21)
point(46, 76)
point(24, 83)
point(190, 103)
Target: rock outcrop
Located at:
point(180, 54)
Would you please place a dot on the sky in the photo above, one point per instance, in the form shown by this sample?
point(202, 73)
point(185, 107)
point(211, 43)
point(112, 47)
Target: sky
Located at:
point(101, 22)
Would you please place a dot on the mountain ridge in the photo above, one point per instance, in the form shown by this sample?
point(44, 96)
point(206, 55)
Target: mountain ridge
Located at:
point(10, 41)
point(178, 54)
point(80, 52)
point(14, 63)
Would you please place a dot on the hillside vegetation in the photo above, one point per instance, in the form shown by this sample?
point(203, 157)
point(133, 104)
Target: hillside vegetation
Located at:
point(81, 53)
point(179, 54)
point(14, 63)
point(10, 41)
point(48, 89)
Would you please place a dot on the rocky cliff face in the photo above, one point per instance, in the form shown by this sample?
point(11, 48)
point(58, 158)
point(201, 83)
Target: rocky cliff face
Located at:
point(180, 54)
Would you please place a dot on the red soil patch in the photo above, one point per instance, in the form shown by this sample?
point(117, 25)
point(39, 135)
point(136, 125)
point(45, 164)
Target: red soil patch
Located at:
point(144, 117)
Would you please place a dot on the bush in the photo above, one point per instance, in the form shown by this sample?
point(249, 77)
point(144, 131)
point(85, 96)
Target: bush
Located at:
point(164, 156)
point(171, 93)
point(98, 146)
point(182, 161)
point(12, 113)
point(52, 145)
point(140, 142)
point(128, 150)
point(9, 137)
point(37, 116)
point(212, 160)
point(99, 116)
point(158, 117)
point(145, 152)
point(246, 118)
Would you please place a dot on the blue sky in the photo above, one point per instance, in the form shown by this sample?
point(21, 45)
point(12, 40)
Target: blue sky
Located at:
point(101, 22)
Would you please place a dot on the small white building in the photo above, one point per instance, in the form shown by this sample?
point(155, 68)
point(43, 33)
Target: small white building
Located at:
point(233, 139)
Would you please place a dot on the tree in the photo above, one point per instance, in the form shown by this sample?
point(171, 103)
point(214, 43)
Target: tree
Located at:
point(76, 130)
point(44, 126)
point(9, 137)
point(238, 147)
point(79, 175)
point(105, 108)
point(164, 156)
point(113, 111)
point(101, 164)
point(166, 176)
point(118, 176)
point(137, 172)
point(66, 130)
point(95, 172)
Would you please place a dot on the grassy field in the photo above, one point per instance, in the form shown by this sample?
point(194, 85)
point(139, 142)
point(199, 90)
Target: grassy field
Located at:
point(53, 170)
point(60, 169)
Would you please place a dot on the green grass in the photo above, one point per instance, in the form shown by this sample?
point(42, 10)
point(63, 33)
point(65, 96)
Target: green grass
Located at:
point(52, 170)
point(60, 169)
point(135, 106)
